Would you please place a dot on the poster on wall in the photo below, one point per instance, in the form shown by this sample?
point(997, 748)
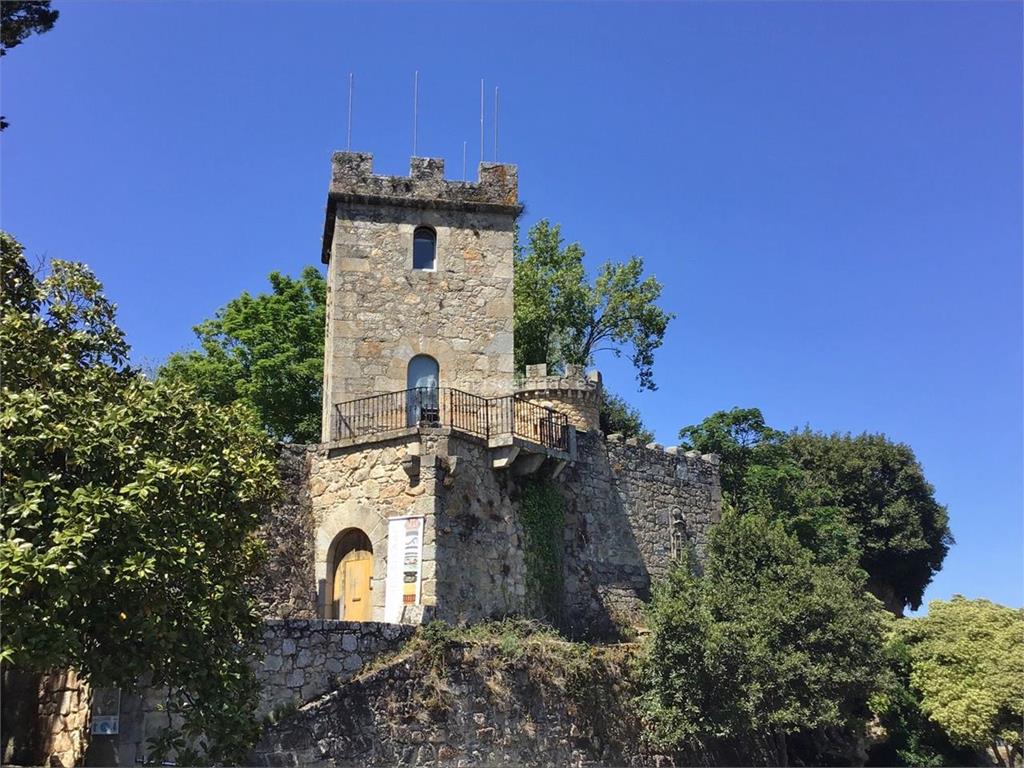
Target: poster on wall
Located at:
point(405, 553)
point(106, 711)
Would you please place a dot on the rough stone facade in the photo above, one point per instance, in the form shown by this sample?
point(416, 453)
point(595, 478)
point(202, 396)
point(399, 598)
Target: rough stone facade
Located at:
point(573, 393)
point(299, 661)
point(302, 660)
point(489, 710)
point(46, 717)
point(632, 511)
point(480, 568)
point(287, 586)
point(381, 312)
point(362, 487)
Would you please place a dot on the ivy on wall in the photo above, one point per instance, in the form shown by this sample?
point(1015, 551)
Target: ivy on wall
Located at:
point(542, 512)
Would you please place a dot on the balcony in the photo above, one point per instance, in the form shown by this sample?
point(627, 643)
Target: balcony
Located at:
point(509, 422)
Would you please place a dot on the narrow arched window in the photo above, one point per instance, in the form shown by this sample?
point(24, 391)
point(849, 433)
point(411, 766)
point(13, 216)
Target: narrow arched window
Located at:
point(421, 397)
point(424, 248)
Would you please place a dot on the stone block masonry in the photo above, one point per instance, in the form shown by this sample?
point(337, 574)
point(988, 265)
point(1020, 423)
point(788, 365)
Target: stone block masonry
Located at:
point(631, 512)
point(381, 312)
point(287, 585)
point(298, 661)
point(305, 659)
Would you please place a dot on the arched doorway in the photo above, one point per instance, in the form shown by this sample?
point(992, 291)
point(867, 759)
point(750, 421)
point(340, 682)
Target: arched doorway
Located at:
point(351, 572)
point(421, 381)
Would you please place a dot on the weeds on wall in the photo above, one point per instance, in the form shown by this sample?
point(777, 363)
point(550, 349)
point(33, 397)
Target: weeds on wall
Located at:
point(542, 513)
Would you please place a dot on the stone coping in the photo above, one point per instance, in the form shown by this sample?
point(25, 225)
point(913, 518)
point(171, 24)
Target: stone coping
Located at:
point(672, 450)
point(353, 182)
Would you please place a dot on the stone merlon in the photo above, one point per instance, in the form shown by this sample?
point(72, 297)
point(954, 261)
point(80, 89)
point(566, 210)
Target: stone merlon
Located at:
point(354, 183)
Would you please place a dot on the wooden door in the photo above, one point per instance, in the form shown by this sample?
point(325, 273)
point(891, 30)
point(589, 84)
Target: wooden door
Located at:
point(357, 574)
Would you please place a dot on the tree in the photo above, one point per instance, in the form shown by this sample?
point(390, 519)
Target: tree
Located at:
point(910, 737)
point(266, 351)
point(967, 662)
point(560, 318)
point(18, 20)
point(903, 531)
point(835, 492)
point(742, 440)
point(768, 649)
point(129, 511)
point(618, 416)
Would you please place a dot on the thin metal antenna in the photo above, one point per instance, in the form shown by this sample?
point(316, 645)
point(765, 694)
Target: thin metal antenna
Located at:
point(415, 109)
point(463, 161)
point(348, 145)
point(495, 123)
point(481, 119)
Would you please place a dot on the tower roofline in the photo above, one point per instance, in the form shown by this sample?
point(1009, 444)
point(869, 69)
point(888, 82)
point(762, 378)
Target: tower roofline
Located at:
point(353, 182)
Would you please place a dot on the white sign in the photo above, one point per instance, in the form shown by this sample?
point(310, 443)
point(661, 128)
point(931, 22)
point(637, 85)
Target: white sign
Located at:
point(405, 553)
point(106, 711)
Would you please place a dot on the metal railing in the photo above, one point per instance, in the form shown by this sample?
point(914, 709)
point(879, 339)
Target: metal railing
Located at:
point(448, 407)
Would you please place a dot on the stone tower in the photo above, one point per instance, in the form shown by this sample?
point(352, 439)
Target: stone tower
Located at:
point(419, 280)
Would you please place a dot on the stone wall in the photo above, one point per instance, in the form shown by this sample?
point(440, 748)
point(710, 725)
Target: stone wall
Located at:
point(480, 568)
point(64, 708)
point(45, 717)
point(299, 661)
point(631, 510)
point(302, 660)
point(481, 706)
point(573, 393)
point(362, 487)
point(381, 312)
point(287, 586)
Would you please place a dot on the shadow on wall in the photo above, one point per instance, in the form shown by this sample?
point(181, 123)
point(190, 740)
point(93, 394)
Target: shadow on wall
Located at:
point(607, 579)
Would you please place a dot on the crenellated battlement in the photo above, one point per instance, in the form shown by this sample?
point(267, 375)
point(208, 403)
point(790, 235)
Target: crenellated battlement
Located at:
point(575, 393)
point(353, 181)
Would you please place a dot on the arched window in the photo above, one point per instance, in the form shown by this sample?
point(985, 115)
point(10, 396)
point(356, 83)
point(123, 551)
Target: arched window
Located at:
point(422, 401)
point(424, 248)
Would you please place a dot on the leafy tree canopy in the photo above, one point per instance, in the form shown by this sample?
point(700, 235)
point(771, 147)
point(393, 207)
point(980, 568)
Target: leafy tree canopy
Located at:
point(266, 351)
point(129, 509)
point(769, 649)
point(560, 318)
point(18, 20)
point(967, 662)
point(21, 18)
point(909, 737)
point(618, 416)
point(836, 493)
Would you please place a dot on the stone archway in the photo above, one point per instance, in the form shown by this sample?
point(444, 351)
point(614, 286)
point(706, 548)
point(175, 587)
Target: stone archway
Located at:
point(350, 573)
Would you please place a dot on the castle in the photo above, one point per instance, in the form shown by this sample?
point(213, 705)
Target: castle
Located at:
point(415, 504)
point(429, 437)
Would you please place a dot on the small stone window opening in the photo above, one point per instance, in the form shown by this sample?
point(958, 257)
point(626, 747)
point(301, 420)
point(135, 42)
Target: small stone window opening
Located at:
point(424, 248)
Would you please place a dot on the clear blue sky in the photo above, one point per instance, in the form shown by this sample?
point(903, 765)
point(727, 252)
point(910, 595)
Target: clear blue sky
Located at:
point(831, 192)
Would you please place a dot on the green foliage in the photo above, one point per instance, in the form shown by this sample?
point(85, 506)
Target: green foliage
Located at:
point(967, 663)
point(769, 644)
point(910, 738)
point(837, 493)
point(560, 318)
point(128, 511)
point(903, 533)
point(18, 20)
point(266, 351)
point(741, 439)
point(618, 416)
point(542, 513)
point(21, 18)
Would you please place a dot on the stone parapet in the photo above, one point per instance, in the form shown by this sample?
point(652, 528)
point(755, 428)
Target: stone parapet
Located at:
point(574, 393)
point(353, 181)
